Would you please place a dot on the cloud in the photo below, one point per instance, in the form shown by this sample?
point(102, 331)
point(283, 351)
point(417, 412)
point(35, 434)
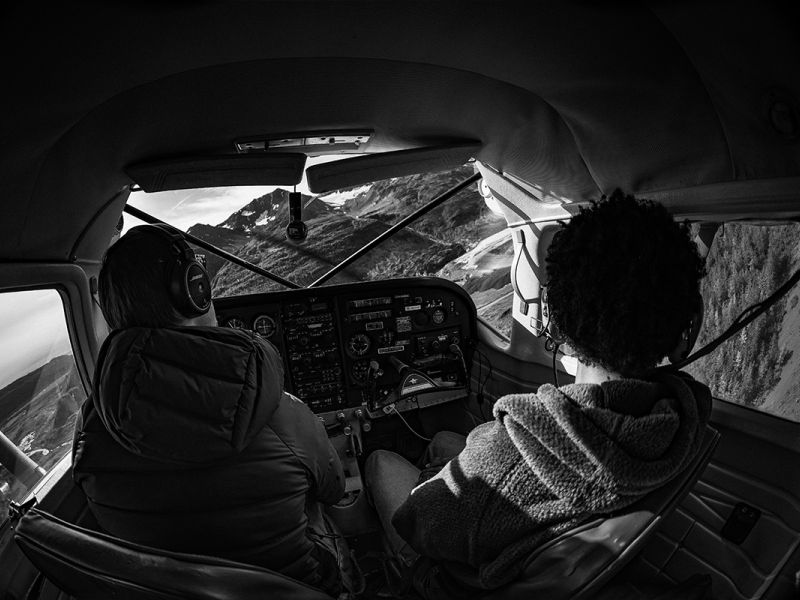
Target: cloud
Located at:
point(184, 208)
point(34, 331)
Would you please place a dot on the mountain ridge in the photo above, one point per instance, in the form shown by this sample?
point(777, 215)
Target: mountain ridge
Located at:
point(18, 393)
point(341, 221)
point(272, 208)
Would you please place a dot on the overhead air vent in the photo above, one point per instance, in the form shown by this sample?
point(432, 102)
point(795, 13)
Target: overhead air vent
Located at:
point(218, 171)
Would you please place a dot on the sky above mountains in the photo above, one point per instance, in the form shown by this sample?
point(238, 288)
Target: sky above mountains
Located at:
point(34, 331)
point(184, 208)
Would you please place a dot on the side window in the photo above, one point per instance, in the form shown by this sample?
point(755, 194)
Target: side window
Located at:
point(760, 366)
point(40, 390)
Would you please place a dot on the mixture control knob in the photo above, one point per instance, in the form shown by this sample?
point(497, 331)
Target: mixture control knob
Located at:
point(346, 427)
point(375, 369)
point(365, 424)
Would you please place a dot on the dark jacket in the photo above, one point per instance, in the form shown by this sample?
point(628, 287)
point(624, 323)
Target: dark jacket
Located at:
point(188, 443)
point(549, 461)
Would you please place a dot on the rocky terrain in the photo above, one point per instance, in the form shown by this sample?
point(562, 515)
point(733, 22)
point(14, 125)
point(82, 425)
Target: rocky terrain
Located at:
point(448, 241)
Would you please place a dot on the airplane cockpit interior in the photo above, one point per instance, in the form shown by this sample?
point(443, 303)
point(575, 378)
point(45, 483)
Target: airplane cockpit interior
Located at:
point(372, 190)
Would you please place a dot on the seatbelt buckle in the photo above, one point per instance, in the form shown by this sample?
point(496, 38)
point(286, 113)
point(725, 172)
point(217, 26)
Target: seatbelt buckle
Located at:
point(16, 510)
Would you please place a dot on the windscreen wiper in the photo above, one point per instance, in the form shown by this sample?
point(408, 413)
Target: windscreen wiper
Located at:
point(396, 227)
point(148, 218)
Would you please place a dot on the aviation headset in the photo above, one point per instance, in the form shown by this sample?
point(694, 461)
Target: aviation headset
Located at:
point(188, 284)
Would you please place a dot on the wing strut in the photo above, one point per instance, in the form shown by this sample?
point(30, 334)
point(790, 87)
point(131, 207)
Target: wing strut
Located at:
point(397, 227)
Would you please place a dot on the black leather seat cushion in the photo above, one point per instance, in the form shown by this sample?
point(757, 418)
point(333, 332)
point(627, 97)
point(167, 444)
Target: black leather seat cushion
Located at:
point(90, 565)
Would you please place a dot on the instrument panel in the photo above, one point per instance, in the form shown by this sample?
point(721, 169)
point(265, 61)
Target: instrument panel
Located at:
point(365, 344)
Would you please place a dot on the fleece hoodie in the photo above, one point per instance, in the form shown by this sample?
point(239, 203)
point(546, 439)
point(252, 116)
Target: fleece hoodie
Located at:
point(549, 461)
point(188, 443)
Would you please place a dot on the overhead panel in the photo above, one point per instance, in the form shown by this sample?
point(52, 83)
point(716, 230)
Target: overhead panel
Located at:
point(310, 144)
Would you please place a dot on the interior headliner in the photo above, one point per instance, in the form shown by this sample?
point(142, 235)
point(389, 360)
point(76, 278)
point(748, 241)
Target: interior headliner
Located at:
point(573, 97)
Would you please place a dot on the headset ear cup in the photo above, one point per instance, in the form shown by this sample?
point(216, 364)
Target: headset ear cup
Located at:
point(690, 333)
point(176, 288)
point(697, 322)
point(190, 288)
point(198, 288)
point(189, 285)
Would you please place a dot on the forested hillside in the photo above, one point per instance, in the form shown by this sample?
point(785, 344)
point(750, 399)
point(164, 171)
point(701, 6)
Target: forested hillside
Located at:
point(37, 413)
point(759, 367)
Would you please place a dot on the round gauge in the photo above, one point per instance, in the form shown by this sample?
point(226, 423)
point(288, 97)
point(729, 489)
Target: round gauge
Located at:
point(439, 316)
point(265, 325)
point(358, 345)
point(234, 323)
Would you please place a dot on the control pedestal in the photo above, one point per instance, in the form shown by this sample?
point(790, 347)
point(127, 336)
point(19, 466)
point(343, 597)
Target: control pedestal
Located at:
point(353, 514)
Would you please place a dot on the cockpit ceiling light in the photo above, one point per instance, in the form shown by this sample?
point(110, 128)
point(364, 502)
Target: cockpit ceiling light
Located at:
point(316, 142)
point(286, 143)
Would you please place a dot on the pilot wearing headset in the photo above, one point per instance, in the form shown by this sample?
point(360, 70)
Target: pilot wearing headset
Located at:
point(188, 442)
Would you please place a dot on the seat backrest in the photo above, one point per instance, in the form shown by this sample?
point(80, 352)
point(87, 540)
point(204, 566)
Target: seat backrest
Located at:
point(577, 563)
point(90, 565)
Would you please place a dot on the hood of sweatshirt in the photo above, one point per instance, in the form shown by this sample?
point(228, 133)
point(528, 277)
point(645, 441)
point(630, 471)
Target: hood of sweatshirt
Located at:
point(601, 444)
point(186, 394)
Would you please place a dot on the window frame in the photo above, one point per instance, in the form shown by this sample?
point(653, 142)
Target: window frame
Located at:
point(71, 282)
point(766, 427)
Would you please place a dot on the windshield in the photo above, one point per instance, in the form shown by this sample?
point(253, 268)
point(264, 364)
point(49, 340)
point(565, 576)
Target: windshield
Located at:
point(463, 240)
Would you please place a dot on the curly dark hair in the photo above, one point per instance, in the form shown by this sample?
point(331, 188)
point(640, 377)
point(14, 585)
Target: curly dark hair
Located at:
point(623, 283)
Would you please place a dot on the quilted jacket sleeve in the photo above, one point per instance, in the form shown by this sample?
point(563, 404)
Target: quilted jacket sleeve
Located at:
point(305, 435)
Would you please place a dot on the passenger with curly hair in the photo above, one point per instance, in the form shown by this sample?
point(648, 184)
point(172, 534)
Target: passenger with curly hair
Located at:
point(623, 281)
point(622, 293)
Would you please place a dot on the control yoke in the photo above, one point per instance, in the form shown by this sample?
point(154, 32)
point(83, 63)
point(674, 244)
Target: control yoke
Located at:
point(413, 382)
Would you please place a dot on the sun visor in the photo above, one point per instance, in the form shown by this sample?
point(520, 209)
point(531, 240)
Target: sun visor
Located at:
point(350, 172)
point(218, 171)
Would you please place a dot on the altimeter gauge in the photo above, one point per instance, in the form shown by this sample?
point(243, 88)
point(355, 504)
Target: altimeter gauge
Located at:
point(265, 326)
point(358, 344)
